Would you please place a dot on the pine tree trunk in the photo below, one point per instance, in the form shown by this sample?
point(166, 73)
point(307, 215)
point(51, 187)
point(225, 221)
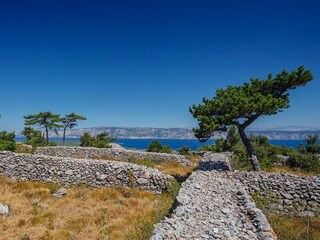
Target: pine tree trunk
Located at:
point(251, 152)
point(47, 134)
point(64, 135)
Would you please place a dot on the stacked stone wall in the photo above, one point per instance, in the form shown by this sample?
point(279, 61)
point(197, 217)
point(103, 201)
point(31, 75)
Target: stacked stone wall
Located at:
point(287, 194)
point(74, 172)
point(112, 153)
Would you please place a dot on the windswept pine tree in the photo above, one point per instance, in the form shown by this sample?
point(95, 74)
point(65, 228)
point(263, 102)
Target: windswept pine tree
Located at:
point(70, 121)
point(47, 120)
point(242, 105)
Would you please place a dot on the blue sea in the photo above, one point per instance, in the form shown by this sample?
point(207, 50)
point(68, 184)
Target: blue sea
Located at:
point(175, 144)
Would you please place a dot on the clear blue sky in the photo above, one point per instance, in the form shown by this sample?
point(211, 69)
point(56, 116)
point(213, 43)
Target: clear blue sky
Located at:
point(143, 63)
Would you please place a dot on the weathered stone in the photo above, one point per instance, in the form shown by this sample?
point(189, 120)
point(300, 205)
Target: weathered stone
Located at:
point(4, 210)
point(61, 192)
point(287, 196)
point(102, 177)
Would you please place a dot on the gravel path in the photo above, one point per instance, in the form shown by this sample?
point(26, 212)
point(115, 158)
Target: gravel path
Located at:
point(211, 205)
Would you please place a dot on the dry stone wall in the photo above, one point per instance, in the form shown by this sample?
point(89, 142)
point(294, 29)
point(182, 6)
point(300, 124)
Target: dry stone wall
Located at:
point(213, 205)
point(73, 172)
point(112, 153)
point(287, 194)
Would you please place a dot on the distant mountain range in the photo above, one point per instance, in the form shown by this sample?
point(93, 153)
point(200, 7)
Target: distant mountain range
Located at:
point(286, 133)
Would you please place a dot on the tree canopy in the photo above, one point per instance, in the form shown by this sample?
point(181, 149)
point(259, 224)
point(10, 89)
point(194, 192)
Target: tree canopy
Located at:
point(35, 138)
point(48, 120)
point(7, 142)
point(156, 146)
point(102, 140)
point(242, 105)
point(70, 121)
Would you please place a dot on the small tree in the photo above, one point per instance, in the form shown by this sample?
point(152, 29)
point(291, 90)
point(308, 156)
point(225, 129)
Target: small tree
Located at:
point(185, 150)
point(47, 120)
point(156, 146)
point(233, 137)
point(70, 121)
point(242, 105)
point(312, 145)
point(312, 139)
point(7, 142)
point(35, 138)
point(102, 140)
point(86, 140)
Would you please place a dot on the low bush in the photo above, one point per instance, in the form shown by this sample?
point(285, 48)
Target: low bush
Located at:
point(35, 138)
point(307, 162)
point(156, 146)
point(102, 140)
point(7, 142)
point(185, 150)
point(312, 145)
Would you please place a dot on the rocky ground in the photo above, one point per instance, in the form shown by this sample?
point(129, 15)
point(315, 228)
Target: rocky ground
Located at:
point(210, 205)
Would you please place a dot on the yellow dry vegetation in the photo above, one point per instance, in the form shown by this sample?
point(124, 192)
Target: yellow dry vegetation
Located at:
point(84, 213)
point(175, 169)
point(295, 228)
point(179, 171)
point(295, 171)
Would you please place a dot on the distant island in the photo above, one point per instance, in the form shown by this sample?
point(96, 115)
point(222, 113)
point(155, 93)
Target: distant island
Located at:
point(289, 133)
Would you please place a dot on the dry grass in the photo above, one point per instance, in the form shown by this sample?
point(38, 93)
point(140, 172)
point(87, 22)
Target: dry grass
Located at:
point(295, 228)
point(175, 169)
point(23, 148)
point(289, 228)
point(296, 171)
point(109, 213)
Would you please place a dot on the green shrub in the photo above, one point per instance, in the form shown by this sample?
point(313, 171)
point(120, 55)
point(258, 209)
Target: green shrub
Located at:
point(267, 154)
point(312, 145)
point(185, 150)
point(156, 146)
point(7, 142)
point(307, 162)
point(102, 140)
point(35, 138)
point(224, 145)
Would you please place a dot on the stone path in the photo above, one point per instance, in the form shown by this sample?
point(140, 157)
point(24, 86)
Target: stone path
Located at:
point(211, 205)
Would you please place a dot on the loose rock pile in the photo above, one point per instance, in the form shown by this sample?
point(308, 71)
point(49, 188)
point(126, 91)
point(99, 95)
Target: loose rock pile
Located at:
point(73, 172)
point(211, 205)
point(112, 153)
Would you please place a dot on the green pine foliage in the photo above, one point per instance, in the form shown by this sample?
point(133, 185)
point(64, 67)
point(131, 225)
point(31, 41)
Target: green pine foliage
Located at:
point(185, 150)
point(242, 105)
point(268, 155)
point(102, 140)
point(35, 138)
point(312, 145)
point(46, 120)
point(156, 146)
point(7, 142)
point(223, 145)
point(70, 121)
